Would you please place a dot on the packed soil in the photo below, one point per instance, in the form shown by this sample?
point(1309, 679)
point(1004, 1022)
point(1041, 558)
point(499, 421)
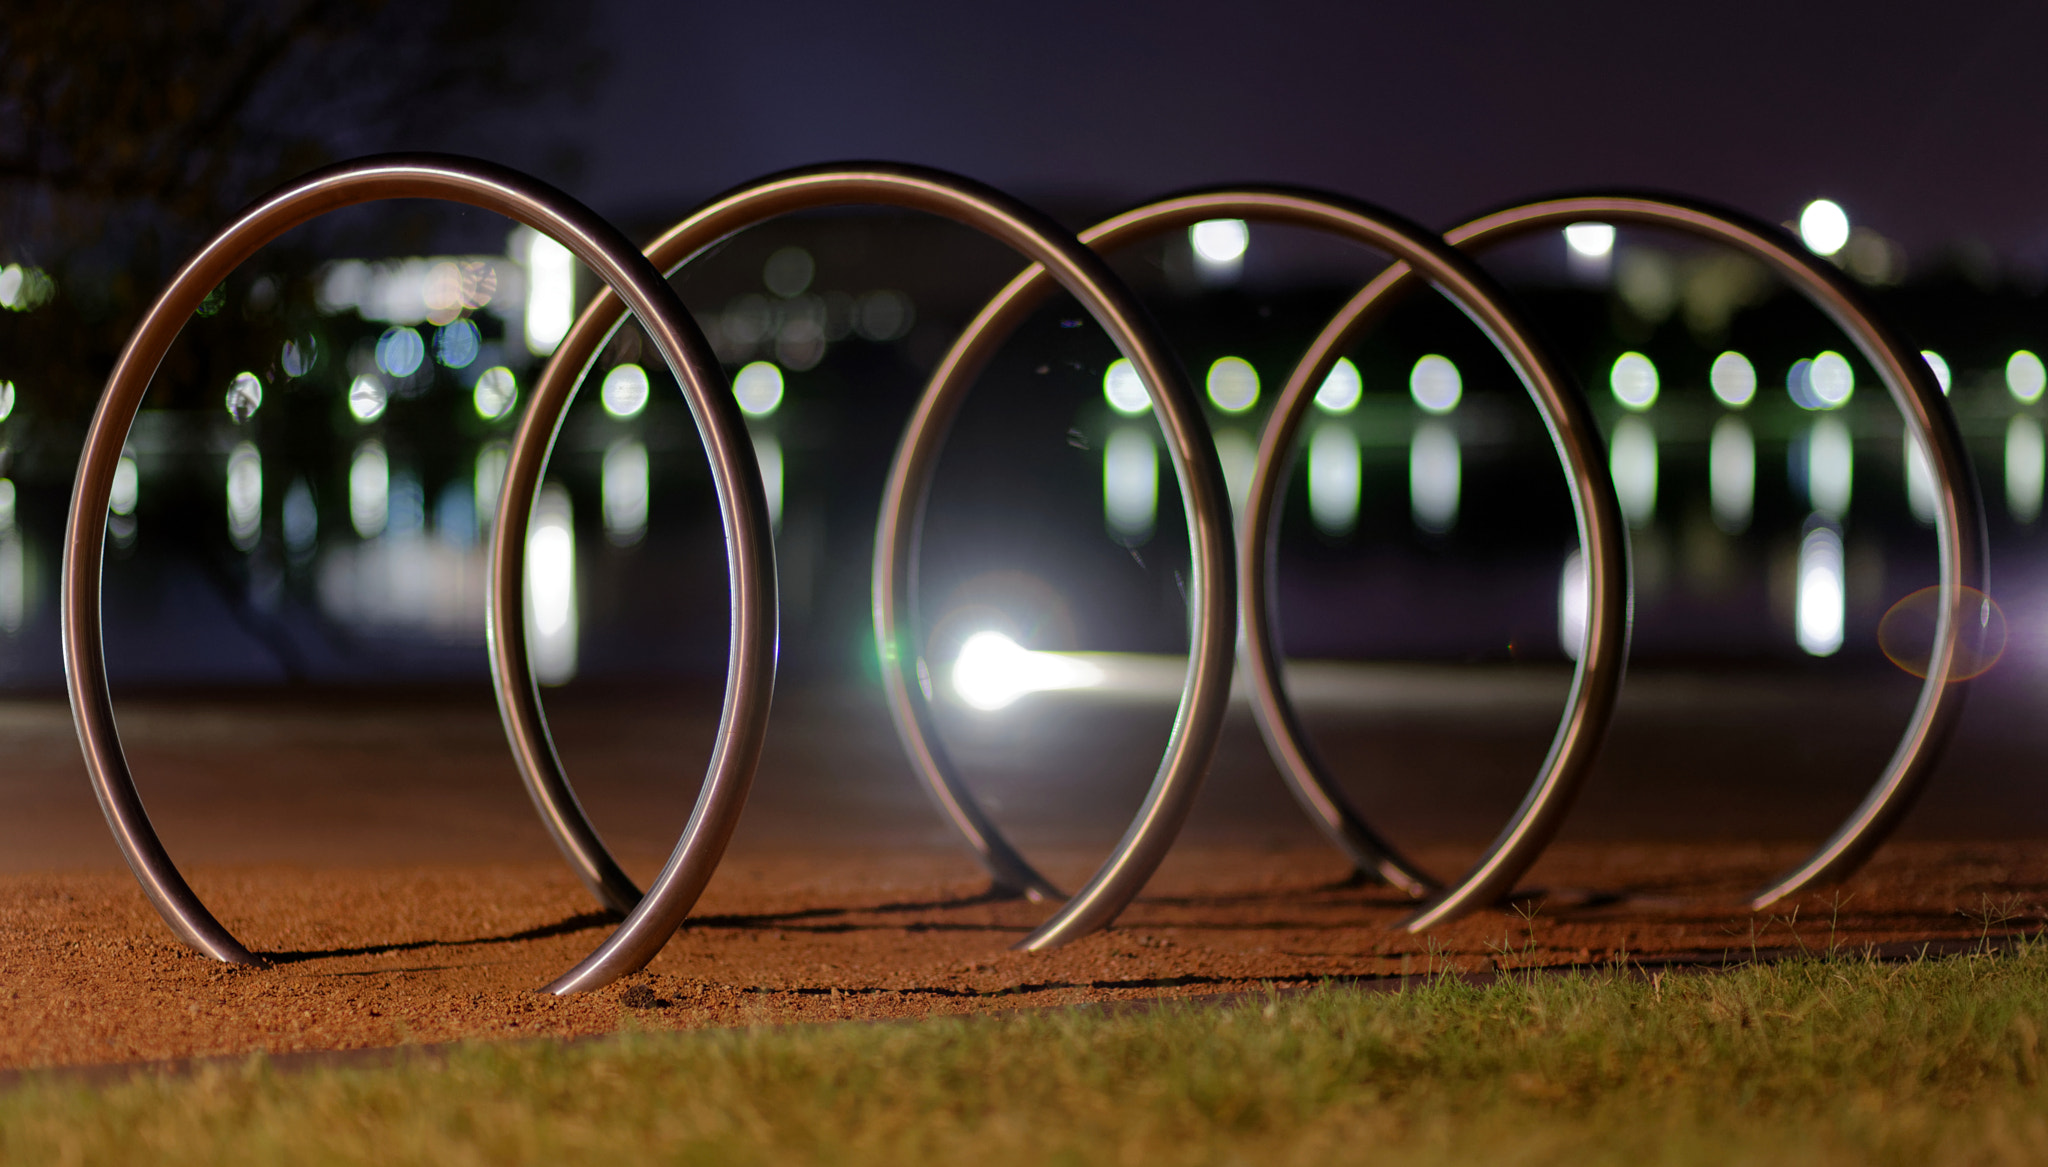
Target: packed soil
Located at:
point(393, 955)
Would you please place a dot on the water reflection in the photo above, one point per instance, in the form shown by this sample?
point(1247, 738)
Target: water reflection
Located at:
point(245, 496)
point(1919, 482)
point(369, 490)
point(2023, 468)
point(624, 488)
point(1334, 480)
point(1731, 474)
point(1632, 459)
point(1435, 470)
point(1830, 467)
point(551, 618)
point(1822, 596)
point(1130, 484)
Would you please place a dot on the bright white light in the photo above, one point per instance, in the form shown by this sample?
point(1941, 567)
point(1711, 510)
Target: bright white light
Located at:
point(1435, 473)
point(1940, 367)
point(993, 671)
point(1341, 389)
point(1919, 482)
point(2025, 377)
point(550, 293)
point(1130, 484)
point(1830, 467)
point(1435, 384)
point(495, 393)
point(1334, 479)
point(245, 496)
point(1124, 389)
point(1634, 381)
point(2024, 467)
point(624, 484)
point(1632, 458)
point(1824, 227)
point(1731, 474)
point(1220, 240)
point(1799, 384)
point(625, 390)
point(1832, 379)
point(127, 487)
point(1233, 384)
point(1573, 603)
point(551, 618)
point(369, 490)
point(1234, 449)
point(768, 454)
point(758, 388)
point(6, 399)
point(1822, 603)
point(1592, 240)
point(1733, 379)
point(366, 398)
point(245, 396)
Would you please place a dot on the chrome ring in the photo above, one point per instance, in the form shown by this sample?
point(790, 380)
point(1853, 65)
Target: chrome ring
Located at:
point(1959, 529)
point(1212, 602)
point(743, 507)
point(1594, 691)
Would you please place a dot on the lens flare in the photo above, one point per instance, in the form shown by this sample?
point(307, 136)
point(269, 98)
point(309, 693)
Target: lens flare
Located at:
point(1906, 634)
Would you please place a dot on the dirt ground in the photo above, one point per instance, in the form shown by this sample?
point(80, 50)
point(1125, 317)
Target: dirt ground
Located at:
point(393, 955)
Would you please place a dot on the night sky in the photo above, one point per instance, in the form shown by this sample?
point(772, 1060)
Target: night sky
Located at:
point(1932, 128)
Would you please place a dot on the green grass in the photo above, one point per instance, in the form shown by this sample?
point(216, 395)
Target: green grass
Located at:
point(1814, 1062)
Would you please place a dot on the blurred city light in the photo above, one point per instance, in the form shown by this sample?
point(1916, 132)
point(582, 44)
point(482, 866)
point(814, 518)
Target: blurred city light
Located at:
point(366, 398)
point(456, 344)
point(623, 484)
point(758, 388)
point(491, 462)
point(496, 391)
point(1592, 240)
point(550, 293)
point(1334, 479)
point(993, 671)
point(1632, 458)
point(369, 490)
point(7, 392)
point(2024, 468)
point(245, 397)
point(1233, 384)
point(2025, 377)
point(624, 393)
point(1731, 474)
point(1435, 385)
point(1435, 474)
point(1822, 602)
point(1824, 227)
point(298, 357)
point(551, 616)
point(1832, 379)
point(1940, 367)
point(301, 521)
point(400, 351)
point(1830, 467)
point(1220, 241)
point(1573, 604)
point(1634, 381)
point(455, 515)
point(127, 487)
point(6, 504)
point(1130, 484)
point(1799, 384)
point(1733, 379)
point(245, 496)
point(788, 272)
point(1342, 389)
point(1124, 389)
point(405, 504)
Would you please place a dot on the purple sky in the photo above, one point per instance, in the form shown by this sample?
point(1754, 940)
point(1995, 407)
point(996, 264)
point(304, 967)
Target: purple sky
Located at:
point(1932, 129)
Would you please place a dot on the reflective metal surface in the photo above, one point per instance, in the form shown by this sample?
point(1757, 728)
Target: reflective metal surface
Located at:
point(1959, 524)
point(614, 259)
point(1211, 595)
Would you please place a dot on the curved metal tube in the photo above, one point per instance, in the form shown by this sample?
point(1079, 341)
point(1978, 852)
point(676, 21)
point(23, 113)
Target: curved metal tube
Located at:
point(743, 506)
point(1080, 271)
point(1592, 700)
point(1959, 526)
